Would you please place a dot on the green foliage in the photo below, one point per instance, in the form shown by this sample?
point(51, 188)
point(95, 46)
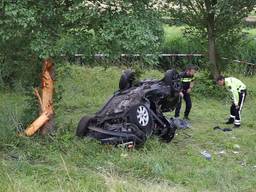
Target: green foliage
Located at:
point(31, 26)
point(130, 34)
point(216, 23)
point(206, 87)
point(15, 24)
point(113, 28)
point(177, 41)
point(30, 30)
point(247, 51)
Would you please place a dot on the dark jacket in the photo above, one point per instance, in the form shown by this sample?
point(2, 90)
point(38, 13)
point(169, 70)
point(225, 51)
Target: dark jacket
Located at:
point(186, 80)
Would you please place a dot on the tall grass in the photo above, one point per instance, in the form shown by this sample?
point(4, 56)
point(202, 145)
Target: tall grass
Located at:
point(175, 42)
point(251, 31)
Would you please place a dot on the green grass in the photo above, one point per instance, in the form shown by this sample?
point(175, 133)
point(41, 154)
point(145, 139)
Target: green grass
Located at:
point(251, 31)
point(65, 163)
point(172, 32)
point(175, 42)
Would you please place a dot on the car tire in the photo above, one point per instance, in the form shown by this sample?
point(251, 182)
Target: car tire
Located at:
point(140, 135)
point(82, 128)
point(126, 79)
point(172, 78)
point(169, 76)
point(141, 116)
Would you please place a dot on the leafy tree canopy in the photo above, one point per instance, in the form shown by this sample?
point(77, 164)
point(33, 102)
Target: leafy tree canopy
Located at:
point(38, 29)
point(217, 23)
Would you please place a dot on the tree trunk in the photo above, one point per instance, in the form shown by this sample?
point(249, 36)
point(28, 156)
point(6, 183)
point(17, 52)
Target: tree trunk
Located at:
point(212, 54)
point(47, 95)
point(212, 37)
point(45, 120)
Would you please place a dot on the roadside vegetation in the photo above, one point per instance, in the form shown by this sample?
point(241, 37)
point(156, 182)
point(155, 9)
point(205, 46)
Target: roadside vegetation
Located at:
point(175, 42)
point(63, 162)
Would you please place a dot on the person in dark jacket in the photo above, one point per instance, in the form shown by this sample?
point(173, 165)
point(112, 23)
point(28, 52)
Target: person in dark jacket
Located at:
point(187, 79)
point(238, 90)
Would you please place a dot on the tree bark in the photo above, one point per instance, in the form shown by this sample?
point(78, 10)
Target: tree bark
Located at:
point(47, 95)
point(45, 121)
point(213, 62)
point(212, 54)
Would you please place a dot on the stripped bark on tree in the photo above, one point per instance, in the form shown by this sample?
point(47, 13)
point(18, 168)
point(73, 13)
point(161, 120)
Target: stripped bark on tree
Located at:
point(45, 121)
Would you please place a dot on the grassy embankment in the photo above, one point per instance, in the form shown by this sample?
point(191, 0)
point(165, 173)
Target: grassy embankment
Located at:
point(66, 163)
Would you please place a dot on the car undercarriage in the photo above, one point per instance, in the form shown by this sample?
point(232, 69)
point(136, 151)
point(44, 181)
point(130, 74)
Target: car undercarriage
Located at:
point(135, 111)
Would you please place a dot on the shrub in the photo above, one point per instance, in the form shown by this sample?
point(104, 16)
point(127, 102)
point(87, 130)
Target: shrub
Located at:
point(205, 86)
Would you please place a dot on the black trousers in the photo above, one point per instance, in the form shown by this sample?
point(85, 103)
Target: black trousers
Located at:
point(235, 113)
point(188, 102)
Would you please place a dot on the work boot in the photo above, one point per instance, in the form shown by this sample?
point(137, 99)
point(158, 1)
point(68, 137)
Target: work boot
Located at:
point(186, 118)
point(230, 121)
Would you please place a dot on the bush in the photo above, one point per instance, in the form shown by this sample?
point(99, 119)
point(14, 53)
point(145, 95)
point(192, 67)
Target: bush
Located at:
point(248, 50)
point(205, 86)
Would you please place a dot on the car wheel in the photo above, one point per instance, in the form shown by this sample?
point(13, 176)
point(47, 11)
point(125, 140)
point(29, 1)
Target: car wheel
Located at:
point(141, 116)
point(170, 75)
point(82, 128)
point(126, 79)
point(172, 78)
point(140, 138)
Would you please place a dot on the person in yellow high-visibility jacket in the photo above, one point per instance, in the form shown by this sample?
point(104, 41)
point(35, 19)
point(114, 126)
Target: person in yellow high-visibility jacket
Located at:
point(238, 90)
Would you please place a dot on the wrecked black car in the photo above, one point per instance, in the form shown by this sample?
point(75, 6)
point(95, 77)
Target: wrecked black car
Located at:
point(135, 111)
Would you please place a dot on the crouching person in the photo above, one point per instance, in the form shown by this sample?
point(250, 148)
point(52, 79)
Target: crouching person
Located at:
point(238, 90)
point(187, 79)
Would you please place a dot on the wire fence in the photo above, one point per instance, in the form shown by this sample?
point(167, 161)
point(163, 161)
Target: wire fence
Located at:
point(164, 61)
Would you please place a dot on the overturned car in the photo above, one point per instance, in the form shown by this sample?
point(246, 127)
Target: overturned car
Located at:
point(135, 111)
